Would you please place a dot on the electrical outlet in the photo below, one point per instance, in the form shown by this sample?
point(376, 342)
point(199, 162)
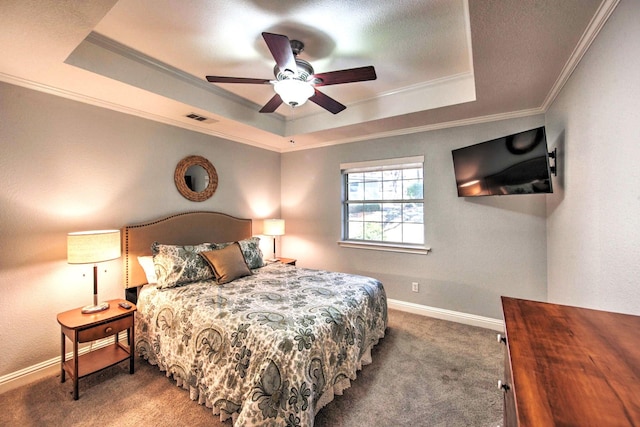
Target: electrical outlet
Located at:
point(415, 287)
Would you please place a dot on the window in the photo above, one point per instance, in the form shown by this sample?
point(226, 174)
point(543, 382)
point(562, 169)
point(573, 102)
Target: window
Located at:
point(383, 202)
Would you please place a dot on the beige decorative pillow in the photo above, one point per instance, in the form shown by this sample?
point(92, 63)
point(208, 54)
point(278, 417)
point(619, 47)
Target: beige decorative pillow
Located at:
point(228, 264)
point(250, 250)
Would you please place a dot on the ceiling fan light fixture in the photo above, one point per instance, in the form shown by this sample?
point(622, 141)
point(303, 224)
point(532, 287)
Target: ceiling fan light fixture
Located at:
point(293, 91)
point(295, 80)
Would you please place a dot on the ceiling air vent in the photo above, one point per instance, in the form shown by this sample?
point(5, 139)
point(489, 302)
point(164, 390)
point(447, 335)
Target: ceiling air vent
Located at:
point(199, 118)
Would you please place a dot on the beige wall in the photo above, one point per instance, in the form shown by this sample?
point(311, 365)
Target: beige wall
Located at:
point(481, 248)
point(594, 217)
point(67, 166)
point(588, 237)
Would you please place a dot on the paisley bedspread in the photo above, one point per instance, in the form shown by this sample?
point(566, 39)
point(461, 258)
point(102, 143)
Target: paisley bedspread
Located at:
point(268, 349)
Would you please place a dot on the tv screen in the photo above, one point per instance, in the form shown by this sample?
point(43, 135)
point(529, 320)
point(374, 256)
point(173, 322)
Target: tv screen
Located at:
point(514, 164)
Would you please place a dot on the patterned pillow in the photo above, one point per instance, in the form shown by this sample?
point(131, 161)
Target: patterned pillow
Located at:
point(250, 250)
point(179, 265)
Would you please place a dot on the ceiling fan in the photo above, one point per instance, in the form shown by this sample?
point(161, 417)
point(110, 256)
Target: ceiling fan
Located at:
point(295, 79)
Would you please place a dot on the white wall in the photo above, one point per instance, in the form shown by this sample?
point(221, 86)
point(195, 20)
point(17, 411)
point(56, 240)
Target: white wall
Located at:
point(594, 219)
point(67, 166)
point(482, 247)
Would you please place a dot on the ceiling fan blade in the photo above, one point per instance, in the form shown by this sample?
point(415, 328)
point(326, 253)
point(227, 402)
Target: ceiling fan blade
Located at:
point(218, 79)
point(346, 76)
point(272, 105)
point(280, 48)
point(327, 102)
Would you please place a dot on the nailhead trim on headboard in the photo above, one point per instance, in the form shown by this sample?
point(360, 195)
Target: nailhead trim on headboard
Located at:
point(179, 229)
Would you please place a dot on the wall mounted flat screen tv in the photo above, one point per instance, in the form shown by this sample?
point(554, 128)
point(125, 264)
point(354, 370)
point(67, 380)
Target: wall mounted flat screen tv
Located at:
point(514, 164)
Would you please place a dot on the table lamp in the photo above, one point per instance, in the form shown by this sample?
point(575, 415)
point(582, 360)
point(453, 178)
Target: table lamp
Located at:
point(273, 228)
point(92, 247)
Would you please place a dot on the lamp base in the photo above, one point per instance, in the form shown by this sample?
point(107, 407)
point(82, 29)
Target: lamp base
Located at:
point(90, 309)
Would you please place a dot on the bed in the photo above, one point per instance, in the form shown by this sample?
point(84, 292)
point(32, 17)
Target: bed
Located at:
point(268, 348)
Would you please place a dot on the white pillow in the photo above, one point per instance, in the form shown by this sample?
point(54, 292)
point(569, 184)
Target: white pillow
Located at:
point(149, 269)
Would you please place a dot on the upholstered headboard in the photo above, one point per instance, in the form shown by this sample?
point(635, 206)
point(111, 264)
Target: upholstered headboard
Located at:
point(187, 228)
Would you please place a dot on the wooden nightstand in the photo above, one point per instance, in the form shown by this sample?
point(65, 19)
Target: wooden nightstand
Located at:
point(79, 328)
point(290, 261)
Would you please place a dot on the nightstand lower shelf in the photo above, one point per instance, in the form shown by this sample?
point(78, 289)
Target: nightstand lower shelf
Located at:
point(98, 360)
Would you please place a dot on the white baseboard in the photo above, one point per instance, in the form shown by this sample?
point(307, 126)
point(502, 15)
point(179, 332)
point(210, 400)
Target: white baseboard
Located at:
point(47, 368)
point(453, 316)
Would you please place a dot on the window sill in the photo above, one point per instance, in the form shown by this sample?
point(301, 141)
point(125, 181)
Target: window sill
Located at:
point(389, 247)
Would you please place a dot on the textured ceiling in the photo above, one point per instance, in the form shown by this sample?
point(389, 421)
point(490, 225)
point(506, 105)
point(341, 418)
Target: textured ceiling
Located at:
point(439, 62)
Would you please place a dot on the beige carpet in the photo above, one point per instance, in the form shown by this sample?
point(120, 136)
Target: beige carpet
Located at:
point(425, 372)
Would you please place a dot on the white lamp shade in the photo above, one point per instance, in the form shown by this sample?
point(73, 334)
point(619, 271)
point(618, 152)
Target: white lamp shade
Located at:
point(273, 227)
point(293, 92)
point(90, 247)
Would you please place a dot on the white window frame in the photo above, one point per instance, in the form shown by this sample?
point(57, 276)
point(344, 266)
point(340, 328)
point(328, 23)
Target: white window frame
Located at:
point(380, 165)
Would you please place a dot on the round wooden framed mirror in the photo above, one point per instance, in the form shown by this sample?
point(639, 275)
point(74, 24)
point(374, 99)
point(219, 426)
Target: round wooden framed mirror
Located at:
point(196, 178)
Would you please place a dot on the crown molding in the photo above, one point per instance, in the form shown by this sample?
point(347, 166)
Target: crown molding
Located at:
point(139, 57)
point(424, 128)
point(74, 96)
point(593, 29)
point(172, 122)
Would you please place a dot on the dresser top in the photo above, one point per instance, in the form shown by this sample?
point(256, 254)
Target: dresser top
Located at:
point(573, 366)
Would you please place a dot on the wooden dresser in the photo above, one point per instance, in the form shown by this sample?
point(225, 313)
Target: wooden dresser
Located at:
point(569, 366)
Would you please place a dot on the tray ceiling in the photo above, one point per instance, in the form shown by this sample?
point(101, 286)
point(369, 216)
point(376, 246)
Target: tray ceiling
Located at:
point(439, 63)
